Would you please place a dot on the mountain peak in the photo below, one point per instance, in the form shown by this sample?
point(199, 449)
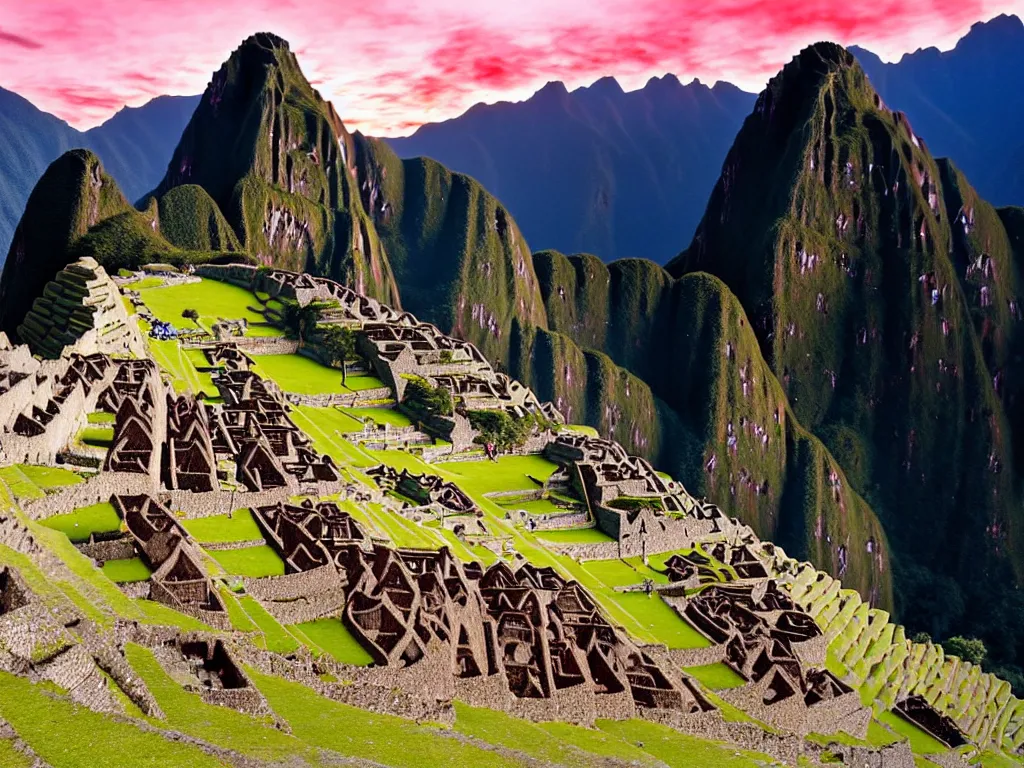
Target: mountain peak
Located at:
point(266, 41)
point(552, 89)
point(605, 86)
point(666, 81)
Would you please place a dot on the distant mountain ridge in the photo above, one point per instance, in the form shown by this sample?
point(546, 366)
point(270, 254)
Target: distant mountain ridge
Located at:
point(623, 174)
point(134, 145)
point(597, 170)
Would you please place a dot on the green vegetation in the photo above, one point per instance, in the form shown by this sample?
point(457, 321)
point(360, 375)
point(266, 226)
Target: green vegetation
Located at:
point(83, 523)
point(214, 300)
point(333, 637)
point(380, 738)
point(101, 417)
point(969, 649)
point(128, 570)
point(300, 374)
point(274, 637)
point(503, 429)
point(571, 535)
point(921, 742)
point(678, 750)
point(190, 219)
point(435, 400)
point(238, 526)
point(97, 436)
point(67, 735)
point(223, 726)
point(32, 482)
point(339, 342)
point(717, 677)
point(390, 416)
point(508, 473)
point(255, 562)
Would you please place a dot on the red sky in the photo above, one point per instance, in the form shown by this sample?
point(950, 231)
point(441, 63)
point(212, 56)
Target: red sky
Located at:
point(390, 65)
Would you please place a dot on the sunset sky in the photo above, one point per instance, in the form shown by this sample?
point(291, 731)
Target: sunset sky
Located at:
point(390, 65)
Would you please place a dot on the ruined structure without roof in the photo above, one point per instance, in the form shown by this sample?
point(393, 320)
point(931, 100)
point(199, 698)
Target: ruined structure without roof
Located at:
point(246, 514)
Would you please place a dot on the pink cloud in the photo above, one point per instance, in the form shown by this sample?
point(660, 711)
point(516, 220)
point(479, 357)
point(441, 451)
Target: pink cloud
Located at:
point(395, 64)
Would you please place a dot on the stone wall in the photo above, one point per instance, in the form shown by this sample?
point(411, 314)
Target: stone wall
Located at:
point(221, 502)
point(346, 400)
point(112, 549)
point(95, 490)
point(299, 597)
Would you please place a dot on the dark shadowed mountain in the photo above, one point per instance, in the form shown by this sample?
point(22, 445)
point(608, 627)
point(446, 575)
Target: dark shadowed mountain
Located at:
point(966, 102)
point(134, 145)
point(599, 169)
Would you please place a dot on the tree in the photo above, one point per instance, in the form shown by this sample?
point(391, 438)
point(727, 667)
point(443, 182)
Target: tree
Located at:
point(191, 314)
point(301, 321)
point(434, 399)
point(967, 648)
point(340, 343)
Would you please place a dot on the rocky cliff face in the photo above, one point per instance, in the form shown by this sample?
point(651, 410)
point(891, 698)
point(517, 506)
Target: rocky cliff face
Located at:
point(277, 160)
point(883, 294)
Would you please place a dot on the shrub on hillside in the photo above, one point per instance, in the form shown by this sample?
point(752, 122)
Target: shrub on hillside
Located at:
point(503, 429)
point(967, 648)
point(436, 400)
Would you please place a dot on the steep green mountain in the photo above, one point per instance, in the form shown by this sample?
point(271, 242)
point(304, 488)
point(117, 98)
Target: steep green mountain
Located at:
point(458, 256)
point(277, 161)
point(189, 218)
point(134, 146)
point(73, 195)
point(701, 400)
point(958, 98)
point(883, 293)
point(77, 211)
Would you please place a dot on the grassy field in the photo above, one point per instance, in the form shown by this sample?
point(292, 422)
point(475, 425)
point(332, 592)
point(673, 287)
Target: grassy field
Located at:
point(171, 358)
point(251, 561)
point(29, 481)
point(82, 523)
point(571, 535)
point(101, 417)
point(252, 736)
point(98, 436)
point(124, 571)
point(67, 735)
point(239, 526)
point(717, 677)
point(921, 742)
point(299, 374)
point(508, 473)
point(535, 507)
point(323, 426)
point(380, 738)
point(334, 638)
point(390, 416)
point(213, 300)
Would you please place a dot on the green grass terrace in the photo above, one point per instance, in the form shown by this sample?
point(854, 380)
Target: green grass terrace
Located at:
point(84, 522)
point(304, 376)
point(213, 300)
